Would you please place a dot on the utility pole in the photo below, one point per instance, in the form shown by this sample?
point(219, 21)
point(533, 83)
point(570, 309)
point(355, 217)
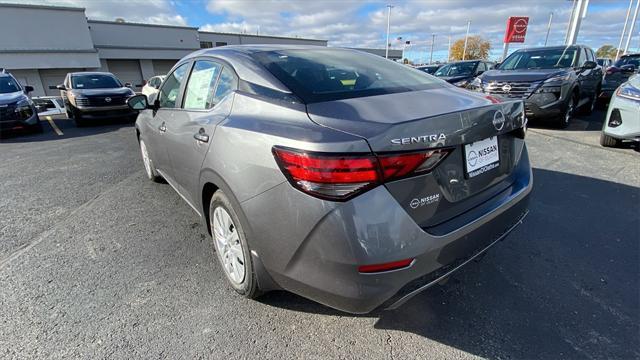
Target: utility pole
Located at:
point(433, 39)
point(449, 49)
point(464, 51)
point(624, 30)
point(386, 46)
point(633, 25)
point(548, 29)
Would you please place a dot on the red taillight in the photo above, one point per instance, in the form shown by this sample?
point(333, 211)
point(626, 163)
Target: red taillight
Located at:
point(612, 70)
point(385, 267)
point(340, 176)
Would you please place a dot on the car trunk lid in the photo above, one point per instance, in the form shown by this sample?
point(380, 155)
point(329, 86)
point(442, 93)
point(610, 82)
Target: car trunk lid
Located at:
point(448, 118)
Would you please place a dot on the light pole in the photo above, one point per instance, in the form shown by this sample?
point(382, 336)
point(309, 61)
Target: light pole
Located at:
point(624, 29)
point(449, 49)
point(548, 29)
point(633, 25)
point(464, 51)
point(386, 46)
point(433, 39)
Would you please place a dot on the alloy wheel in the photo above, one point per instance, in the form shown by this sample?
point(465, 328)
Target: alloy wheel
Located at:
point(228, 246)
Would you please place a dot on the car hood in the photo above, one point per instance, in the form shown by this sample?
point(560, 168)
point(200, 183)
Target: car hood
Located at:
point(102, 92)
point(521, 75)
point(10, 98)
point(453, 79)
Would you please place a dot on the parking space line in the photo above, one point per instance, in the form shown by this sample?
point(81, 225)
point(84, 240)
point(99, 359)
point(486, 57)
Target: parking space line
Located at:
point(54, 126)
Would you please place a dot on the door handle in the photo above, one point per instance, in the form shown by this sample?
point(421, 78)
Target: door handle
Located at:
point(201, 136)
point(162, 128)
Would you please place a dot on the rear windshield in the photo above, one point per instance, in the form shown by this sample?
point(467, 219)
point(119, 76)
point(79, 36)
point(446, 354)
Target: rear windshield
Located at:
point(629, 60)
point(332, 74)
point(8, 85)
point(540, 59)
point(96, 81)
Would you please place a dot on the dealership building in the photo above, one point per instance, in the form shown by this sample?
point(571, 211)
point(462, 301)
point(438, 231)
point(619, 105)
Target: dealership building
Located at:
point(41, 44)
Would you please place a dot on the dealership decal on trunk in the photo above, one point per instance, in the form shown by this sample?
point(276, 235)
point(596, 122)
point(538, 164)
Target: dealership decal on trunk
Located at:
point(419, 139)
point(419, 202)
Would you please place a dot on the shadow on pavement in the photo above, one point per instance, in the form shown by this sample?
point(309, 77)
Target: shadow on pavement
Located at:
point(566, 284)
point(591, 122)
point(68, 129)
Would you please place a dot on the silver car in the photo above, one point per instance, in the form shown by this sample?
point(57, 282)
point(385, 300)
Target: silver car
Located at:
point(357, 191)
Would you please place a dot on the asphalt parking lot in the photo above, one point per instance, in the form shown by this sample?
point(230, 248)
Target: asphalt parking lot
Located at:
point(98, 262)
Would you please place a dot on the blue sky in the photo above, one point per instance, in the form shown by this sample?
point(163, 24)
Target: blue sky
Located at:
point(363, 23)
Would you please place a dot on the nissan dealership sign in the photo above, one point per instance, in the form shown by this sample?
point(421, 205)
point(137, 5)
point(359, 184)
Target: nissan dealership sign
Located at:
point(516, 29)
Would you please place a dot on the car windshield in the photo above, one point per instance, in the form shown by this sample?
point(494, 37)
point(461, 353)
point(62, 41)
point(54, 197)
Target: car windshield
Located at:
point(600, 62)
point(540, 59)
point(457, 69)
point(428, 69)
point(334, 74)
point(94, 81)
point(629, 60)
point(8, 85)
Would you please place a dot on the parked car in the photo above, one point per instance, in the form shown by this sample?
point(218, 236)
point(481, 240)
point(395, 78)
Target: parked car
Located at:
point(430, 69)
point(461, 73)
point(619, 73)
point(49, 105)
point(95, 95)
point(152, 86)
point(17, 111)
point(353, 195)
point(623, 116)
point(553, 81)
point(604, 62)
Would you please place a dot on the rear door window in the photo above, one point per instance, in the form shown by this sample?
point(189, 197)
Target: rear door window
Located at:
point(226, 85)
point(199, 94)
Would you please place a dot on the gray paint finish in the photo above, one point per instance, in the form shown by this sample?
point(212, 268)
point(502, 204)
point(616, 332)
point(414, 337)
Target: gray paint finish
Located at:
point(314, 247)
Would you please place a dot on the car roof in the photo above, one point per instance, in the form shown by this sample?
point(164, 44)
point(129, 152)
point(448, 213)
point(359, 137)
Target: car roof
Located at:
point(552, 48)
point(634, 54)
point(91, 73)
point(245, 65)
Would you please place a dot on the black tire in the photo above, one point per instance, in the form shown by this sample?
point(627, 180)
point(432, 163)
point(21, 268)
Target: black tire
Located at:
point(249, 285)
point(77, 117)
point(569, 112)
point(608, 141)
point(150, 170)
point(37, 128)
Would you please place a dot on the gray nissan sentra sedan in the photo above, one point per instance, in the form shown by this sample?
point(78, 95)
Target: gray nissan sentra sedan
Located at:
point(335, 174)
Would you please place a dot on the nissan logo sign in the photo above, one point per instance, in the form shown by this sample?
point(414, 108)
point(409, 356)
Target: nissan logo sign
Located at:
point(506, 88)
point(498, 120)
point(107, 99)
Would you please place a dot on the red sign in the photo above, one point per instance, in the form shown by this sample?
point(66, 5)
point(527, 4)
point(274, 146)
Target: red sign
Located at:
point(516, 29)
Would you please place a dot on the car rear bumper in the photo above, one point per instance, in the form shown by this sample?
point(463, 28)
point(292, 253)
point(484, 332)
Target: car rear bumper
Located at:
point(319, 259)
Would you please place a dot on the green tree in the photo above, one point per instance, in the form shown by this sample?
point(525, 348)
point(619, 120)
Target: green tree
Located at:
point(606, 51)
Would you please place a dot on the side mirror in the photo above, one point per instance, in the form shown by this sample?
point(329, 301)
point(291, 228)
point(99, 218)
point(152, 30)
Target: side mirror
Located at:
point(127, 85)
point(628, 68)
point(589, 65)
point(138, 102)
point(60, 87)
point(156, 86)
point(28, 89)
